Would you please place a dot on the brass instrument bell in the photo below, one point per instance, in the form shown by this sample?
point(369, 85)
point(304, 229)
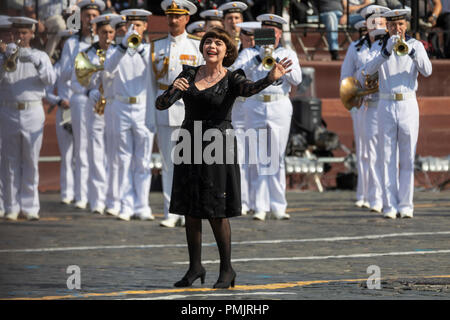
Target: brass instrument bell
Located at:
point(268, 61)
point(352, 93)
point(84, 69)
point(401, 47)
point(134, 41)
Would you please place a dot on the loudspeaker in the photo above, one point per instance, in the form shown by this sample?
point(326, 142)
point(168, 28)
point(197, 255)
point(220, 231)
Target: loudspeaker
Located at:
point(306, 116)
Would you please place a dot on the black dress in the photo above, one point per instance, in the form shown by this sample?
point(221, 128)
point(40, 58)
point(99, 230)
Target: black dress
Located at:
point(201, 188)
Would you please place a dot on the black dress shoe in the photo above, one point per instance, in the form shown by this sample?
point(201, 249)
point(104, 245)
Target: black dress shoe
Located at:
point(225, 284)
point(187, 281)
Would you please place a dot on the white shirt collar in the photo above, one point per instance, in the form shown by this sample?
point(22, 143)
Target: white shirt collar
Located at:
point(179, 38)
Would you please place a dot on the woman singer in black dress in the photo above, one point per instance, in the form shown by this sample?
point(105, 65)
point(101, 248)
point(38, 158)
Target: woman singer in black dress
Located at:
point(207, 186)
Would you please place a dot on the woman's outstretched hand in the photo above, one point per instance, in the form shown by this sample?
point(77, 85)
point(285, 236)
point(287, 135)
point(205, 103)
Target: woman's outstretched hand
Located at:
point(280, 69)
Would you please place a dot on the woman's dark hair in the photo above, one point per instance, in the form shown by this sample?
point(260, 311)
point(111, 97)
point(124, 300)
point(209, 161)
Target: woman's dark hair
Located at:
point(219, 33)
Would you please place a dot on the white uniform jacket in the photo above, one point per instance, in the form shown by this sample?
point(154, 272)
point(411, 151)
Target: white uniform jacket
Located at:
point(130, 71)
point(28, 83)
point(390, 66)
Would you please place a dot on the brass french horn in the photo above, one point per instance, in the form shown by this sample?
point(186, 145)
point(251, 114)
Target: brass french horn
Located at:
point(84, 69)
point(352, 93)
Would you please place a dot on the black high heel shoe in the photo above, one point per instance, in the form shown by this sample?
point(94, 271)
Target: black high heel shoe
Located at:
point(223, 284)
point(186, 282)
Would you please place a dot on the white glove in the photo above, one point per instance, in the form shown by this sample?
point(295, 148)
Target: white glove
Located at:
point(128, 34)
point(391, 43)
point(94, 95)
point(11, 48)
point(140, 47)
point(26, 55)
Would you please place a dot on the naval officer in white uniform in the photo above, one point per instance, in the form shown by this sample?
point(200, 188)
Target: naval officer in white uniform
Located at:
point(376, 25)
point(168, 55)
point(355, 58)
point(6, 36)
point(97, 53)
point(133, 141)
point(89, 9)
point(23, 119)
point(59, 95)
point(239, 118)
point(270, 110)
point(398, 113)
point(119, 23)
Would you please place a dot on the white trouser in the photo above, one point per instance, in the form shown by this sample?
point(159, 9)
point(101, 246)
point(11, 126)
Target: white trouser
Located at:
point(97, 158)
point(238, 116)
point(268, 183)
point(67, 170)
point(374, 192)
point(398, 127)
point(22, 132)
point(133, 142)
point(165, 146)
point(78, 105)
point(112, 161)
point(361, 159)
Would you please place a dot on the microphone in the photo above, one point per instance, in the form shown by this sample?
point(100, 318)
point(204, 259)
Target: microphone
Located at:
point(190, 74)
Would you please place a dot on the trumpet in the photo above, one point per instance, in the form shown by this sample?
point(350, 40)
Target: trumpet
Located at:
point(268, 61)
point(10, 64)
point(351, 92)
point(134, 41)
point(401, 48)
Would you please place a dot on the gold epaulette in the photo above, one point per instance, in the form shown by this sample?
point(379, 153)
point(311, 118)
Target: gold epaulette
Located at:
point(190, 36)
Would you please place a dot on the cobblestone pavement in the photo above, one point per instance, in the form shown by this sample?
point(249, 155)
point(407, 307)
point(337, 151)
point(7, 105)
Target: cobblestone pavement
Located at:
point(329, 249)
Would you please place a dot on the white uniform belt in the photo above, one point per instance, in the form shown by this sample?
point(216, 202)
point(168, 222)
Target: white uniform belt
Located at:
point(241, 99)
point(23, 105)
point(398, 96)
point(269, 97)
point(129, 100)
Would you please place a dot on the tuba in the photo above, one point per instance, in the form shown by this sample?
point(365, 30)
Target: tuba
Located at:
point(352, 93)
point(10, 64)
point(268, 61)
point(99, 107)
point(401, 48)
point(84, 69)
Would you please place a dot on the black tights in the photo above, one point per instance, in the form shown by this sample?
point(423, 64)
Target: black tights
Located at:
point(222, 234)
